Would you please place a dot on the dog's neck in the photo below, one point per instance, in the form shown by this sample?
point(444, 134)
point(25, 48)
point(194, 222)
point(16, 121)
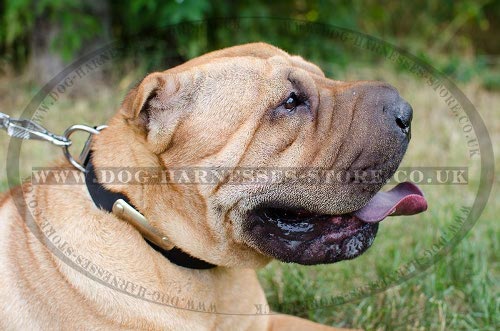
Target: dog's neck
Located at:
point(112, 201)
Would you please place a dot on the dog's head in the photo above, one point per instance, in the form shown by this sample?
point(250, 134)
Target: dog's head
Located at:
point(300, 146)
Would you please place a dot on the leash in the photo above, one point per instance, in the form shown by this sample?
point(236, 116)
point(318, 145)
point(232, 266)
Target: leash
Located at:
point(113, 202)
point(30, 130)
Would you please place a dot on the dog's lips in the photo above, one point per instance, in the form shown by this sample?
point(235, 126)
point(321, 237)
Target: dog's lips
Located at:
point(301, 225)
point(309, 238)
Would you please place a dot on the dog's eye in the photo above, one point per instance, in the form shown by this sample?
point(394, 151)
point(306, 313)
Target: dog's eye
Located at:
point(291, 102)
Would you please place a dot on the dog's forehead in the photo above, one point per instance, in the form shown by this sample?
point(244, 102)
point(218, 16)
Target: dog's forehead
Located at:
point(258, 50)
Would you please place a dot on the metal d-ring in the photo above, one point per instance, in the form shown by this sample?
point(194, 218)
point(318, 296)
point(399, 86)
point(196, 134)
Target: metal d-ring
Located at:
point(79, 127)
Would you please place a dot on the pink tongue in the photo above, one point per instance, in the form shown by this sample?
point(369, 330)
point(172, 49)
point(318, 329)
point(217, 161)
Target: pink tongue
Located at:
point(404, 199)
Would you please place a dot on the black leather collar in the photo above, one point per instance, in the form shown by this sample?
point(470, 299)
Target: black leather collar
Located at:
point(105, 199)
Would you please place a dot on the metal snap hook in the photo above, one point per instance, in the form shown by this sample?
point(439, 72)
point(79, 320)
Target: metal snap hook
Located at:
point(79, 127)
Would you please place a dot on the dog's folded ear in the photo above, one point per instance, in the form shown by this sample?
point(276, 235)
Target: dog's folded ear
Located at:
point(155, 106)
point(136, 102)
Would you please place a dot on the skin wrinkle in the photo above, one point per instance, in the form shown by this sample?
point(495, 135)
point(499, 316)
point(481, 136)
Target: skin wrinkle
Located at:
point(358, 155)
point(228, 222)
point(317, 110)
point(137, 161)
point(289, 144)
point(184, 214)
point(222, 146)
point(205, 212)
point(172, 186)
point(313, 156)
point(331, 129)
point(316, 126)
point(353, 111)
point(258, 125)
point(316, 119)
point(248, 143)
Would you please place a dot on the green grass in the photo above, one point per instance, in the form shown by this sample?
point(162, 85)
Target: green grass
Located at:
point(459, 292)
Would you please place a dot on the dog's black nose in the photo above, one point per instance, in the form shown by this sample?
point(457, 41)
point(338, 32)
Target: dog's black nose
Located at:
point(403, 115)
point(401, 112)
point(386, 111)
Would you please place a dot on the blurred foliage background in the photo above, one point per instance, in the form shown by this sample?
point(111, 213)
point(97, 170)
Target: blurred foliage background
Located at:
point(461, 37)
point(39, 38)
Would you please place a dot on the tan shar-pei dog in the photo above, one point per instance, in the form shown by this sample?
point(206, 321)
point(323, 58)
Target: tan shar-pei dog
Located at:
point(72, 259)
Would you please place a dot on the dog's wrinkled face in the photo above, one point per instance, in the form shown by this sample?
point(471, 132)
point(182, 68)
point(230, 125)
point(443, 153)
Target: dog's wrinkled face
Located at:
point(256, 107)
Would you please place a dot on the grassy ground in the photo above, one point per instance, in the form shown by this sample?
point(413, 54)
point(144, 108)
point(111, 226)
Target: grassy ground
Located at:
point(459, 292)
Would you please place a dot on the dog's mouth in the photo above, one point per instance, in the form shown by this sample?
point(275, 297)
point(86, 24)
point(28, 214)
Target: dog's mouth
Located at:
point(301, 236)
